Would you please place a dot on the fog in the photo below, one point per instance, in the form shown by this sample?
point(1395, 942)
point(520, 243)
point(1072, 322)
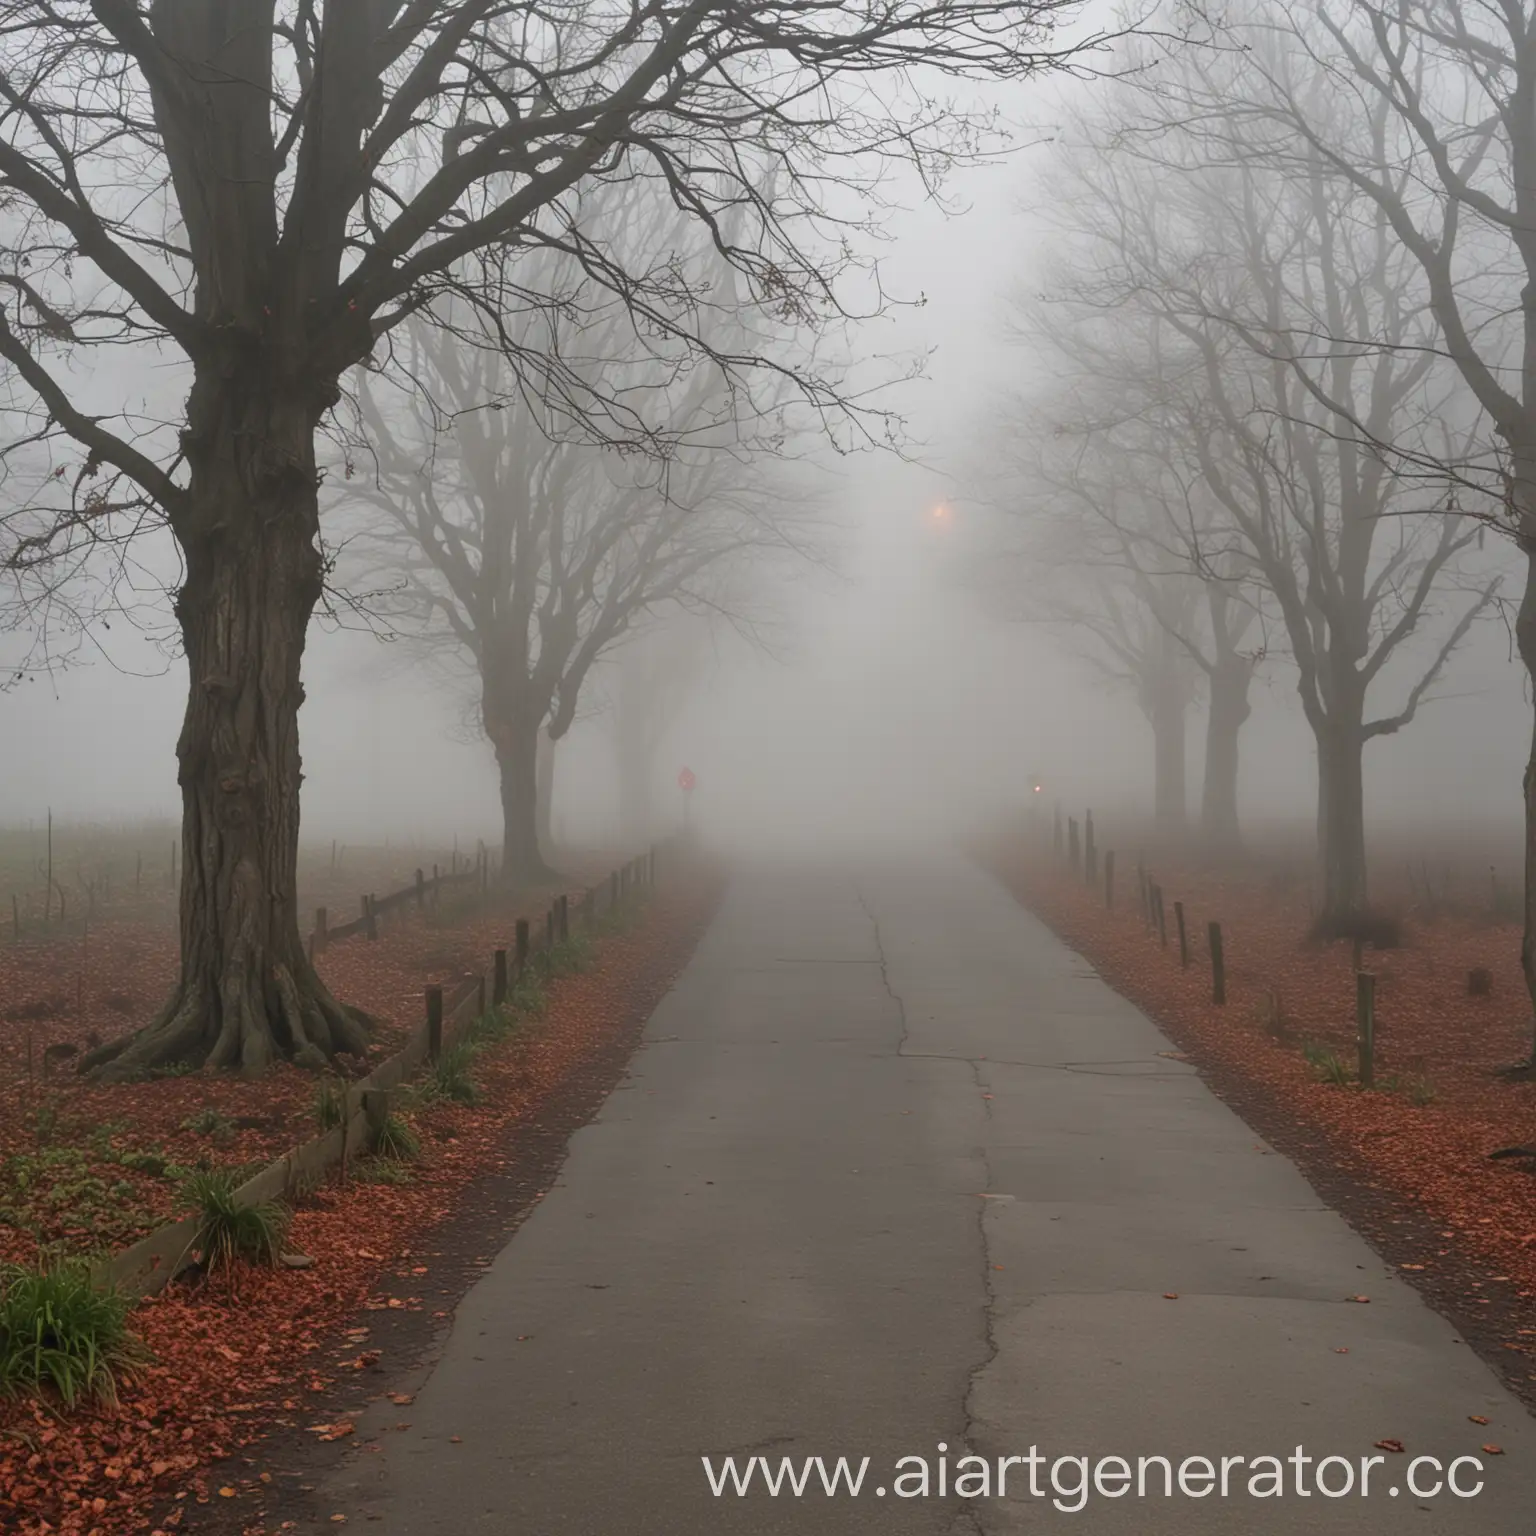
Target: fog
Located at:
point(894, 703)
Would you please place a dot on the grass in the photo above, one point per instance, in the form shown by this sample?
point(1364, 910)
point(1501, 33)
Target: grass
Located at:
point(228, 1231)
point(59, 1334)
point(219, 1128)
point(1327, 1065)
point(1416, 1087)
point(330, 1104)
point(397, 1142)
point(383, 1170)
point(449, 1076)
point(569, 957)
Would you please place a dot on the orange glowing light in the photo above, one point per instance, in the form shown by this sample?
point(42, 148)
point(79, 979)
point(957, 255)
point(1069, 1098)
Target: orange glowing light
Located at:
point(941, 513)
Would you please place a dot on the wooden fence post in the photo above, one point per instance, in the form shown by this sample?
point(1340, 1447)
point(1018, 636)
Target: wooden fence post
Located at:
point(1365, 1018)
point(1074, 846)
point(1218, 966)
point(434, 1023)
point(499, 977)
point(1090, 853)
point(421, 891)
point(1109, 878)
point(522, 945)
point(1178, 914)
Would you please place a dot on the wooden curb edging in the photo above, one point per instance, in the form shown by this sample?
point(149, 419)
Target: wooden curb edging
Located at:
point(154, 1261)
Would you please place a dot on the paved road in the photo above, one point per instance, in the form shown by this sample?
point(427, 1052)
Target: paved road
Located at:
point(894, 1168)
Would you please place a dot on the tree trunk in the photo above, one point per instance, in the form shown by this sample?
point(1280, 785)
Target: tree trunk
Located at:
point(1169, 771)
point(517, 758)
point(544, 790)
point(246, 995)
point(1341, 818)
point(1525, 639)
point(1229, 708)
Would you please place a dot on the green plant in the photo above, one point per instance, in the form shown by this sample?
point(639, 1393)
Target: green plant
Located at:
point(228, 1230)
point(526, 996)
point(380, 1170)
point(210, 1122)
point(1416, 1087)
point(174, 1069)
point(570, 957)
point(59, 1332)
point(45, 1122)
point(156, 1164)
point(1327, 1065)
point(330, 1104)
point(449, 1077)
point(492, 1026)
point(397, 1142)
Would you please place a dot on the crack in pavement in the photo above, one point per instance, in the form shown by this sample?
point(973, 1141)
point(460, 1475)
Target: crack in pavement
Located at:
point(885, 974)
point(967, 1521)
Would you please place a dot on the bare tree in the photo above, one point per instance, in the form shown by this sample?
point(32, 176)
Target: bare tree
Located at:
point(263, 191)
point(1088, 568)
point(1104, 435)
point(533, 548)
point(1431, 127)
point(1262, 268)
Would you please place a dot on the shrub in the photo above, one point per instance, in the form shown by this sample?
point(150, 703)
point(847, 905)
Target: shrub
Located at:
point(227, 1230)
point(59, 1333)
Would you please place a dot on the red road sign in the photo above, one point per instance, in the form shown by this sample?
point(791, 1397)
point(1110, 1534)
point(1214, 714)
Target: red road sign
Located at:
point(685, 779)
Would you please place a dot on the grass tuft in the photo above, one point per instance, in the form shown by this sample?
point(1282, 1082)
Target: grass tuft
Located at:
point(1328, 1066)
point(228, 1231)
point(330, 1104)
point(60, 1334)
point(449, 1076)
point(397, 1142)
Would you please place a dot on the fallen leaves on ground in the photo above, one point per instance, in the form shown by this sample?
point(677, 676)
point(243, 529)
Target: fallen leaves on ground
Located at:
point(226, 1370)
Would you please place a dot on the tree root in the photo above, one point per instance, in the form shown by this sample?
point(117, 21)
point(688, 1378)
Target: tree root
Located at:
point(239, 1023)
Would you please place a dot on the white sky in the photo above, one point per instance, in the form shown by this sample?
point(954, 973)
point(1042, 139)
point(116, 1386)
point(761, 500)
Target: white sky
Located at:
point(905, 704)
